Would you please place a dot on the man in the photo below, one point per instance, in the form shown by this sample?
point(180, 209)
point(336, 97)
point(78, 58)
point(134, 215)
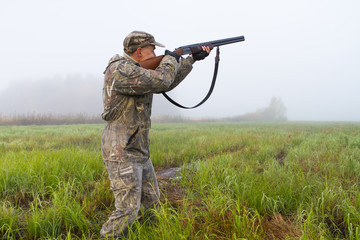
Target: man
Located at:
point(127, 97)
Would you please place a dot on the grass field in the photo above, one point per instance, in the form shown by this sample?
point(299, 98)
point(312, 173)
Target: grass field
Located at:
point(239, 181)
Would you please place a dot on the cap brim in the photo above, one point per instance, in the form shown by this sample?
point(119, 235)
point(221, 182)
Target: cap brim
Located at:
point(158, 44)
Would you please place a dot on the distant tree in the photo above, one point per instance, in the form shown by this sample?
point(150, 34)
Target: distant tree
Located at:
point(276, 111)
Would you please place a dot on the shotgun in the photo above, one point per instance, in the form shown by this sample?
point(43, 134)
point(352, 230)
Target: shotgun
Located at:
point(154, 62)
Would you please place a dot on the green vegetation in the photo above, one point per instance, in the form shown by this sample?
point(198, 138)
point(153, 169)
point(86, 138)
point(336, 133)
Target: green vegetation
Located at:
point(239, 181)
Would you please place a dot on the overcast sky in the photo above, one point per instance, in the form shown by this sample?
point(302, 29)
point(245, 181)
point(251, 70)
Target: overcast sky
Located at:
point(305, 52)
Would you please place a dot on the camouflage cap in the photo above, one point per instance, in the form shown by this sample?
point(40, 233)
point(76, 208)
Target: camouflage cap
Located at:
point(139, 39)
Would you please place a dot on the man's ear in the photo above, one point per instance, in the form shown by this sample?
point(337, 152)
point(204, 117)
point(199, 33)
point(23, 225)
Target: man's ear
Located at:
point(138, 52)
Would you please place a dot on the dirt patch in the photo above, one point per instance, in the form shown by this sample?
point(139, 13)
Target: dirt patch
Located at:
point(170, 173)
point(278, 226)
point(280, 157)
point(169, 186)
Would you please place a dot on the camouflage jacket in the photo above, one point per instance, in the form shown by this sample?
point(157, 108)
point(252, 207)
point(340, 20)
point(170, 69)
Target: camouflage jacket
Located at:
point(127, 98)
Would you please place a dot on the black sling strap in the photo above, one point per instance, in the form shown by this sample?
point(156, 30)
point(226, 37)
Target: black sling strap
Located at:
point(217, 59)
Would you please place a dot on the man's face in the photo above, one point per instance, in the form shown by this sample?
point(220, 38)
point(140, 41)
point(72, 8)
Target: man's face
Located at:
point(147, 52)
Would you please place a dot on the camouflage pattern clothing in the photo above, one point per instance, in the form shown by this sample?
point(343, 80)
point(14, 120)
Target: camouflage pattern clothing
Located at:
point(127, 96)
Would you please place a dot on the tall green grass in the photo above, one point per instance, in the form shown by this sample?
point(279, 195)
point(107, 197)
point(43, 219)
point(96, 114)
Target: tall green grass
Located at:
point(239, 181)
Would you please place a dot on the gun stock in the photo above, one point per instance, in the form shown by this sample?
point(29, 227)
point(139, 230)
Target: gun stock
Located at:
point(153, 63)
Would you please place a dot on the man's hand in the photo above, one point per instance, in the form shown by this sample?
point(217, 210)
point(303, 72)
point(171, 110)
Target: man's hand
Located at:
point(203, 54)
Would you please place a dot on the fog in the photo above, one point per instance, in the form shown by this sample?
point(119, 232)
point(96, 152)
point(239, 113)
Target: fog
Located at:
point(72, 94)
point(306, 53)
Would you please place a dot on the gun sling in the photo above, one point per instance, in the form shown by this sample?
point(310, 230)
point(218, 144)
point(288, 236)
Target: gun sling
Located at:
point(217, 59)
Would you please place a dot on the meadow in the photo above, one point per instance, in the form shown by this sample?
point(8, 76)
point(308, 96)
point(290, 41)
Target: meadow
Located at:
point(291, 180)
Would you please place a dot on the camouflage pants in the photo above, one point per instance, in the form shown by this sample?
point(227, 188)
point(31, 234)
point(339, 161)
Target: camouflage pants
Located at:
point(134, 185)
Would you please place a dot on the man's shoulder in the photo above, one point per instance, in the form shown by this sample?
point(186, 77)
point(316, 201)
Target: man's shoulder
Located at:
point(116, 58)
point(120, 63)
point(124, 61)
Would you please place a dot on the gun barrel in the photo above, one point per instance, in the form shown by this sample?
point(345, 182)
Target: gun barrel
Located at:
point(227, 41)
point(218, 42)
